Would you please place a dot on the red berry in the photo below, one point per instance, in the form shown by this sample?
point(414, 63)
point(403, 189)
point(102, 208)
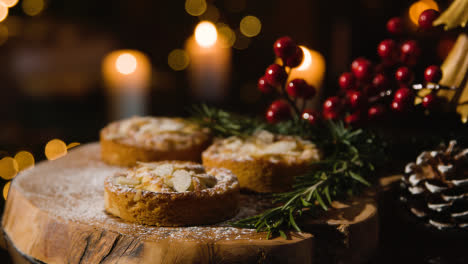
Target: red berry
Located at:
point(410, 52)
point(404, 95)
point(356, 62)
point(347, 81)
point(295, 59)
point(284, 47)
point(376, 112)
point(309, 92)
point(332, 104)
point(397, 106)
point(278, 110)
point(387, 49)
point(380, 82)
point(311, 116)
point(433, 74)
point(362, 69)
point(353, 118)
point(297, 88)
point(356, 99)
point(275, 75)
point(395, 26)
point(431, 101)
point(403, 75)
point(427, 18)
point(330, 115)
point(263, 85)
point(279, 105)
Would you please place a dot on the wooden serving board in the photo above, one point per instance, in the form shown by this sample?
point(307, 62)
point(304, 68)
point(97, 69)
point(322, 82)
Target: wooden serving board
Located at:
point(55, 214)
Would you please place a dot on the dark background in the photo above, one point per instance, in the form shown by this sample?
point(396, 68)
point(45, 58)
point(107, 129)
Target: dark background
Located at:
point(45, 56)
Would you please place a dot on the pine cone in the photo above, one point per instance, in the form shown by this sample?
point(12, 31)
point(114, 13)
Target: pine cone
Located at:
point(435, 188)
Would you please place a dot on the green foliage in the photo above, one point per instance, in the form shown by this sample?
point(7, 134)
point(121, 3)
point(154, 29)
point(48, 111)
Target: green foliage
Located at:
point(350, 158)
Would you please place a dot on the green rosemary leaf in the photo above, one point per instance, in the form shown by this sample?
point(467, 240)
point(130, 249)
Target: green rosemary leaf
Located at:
point(282, 234)
point(320, 201)
point(327, 194)
point(293, 222)
point(305, 203)
point(358, 178)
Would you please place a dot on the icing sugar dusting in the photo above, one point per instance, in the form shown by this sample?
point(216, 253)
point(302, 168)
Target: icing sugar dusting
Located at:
point(72, 189)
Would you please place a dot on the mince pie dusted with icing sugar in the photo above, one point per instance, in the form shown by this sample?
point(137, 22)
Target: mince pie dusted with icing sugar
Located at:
point(263, 162)
point(145, 139)
point(172, 193)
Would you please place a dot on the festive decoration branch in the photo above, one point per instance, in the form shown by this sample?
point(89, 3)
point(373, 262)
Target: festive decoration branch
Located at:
point(350, 157)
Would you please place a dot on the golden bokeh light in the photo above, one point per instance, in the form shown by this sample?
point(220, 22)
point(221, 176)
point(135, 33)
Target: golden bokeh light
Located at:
point(211, 14)
point(178, 59)
point(4, 33)
point(55, 149)
point(418, 7)
point(6, 188)
point(3, 11)
point(72, 145)
point(250, 26)
point(24, 159)
point(32, 7)
point(8, 168)
point(126, 63)
point(227, 34)
point(206, 34)
point(195, 7)
point(9, 3)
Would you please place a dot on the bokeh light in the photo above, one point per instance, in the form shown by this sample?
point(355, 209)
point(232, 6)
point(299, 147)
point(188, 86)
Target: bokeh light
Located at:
point(6, 189)
point(8, 168)
point(195, 7)
point(227, 34)
point(178, 59)
point(3, 11)
point(32, 7)
point(206, 34)
point(211, 14)
point(126, 63)
point(55, 149)
point(250, 26)
point(9, 3)
point(72, 145)
point(4, 33)
point(24, 159)
point(417, 8)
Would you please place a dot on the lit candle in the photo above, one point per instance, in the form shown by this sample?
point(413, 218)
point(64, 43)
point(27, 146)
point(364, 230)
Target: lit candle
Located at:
point(312, 70)
point(127, 75)
point(209, 63)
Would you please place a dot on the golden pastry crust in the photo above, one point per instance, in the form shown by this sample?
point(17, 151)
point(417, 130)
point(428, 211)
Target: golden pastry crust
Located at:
point(198, 207)
point(144, 139)
point(262, 168)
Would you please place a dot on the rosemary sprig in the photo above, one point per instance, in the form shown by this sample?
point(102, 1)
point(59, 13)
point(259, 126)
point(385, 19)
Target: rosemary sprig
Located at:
point(350, 157)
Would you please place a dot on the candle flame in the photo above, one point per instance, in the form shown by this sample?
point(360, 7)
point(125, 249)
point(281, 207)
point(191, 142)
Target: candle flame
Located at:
point(206, 34)
point(306, 60)
point(126, 63)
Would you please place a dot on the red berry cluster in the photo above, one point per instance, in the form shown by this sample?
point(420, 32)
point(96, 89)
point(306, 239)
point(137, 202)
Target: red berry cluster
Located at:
point(275, 81)
point(368, 90)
